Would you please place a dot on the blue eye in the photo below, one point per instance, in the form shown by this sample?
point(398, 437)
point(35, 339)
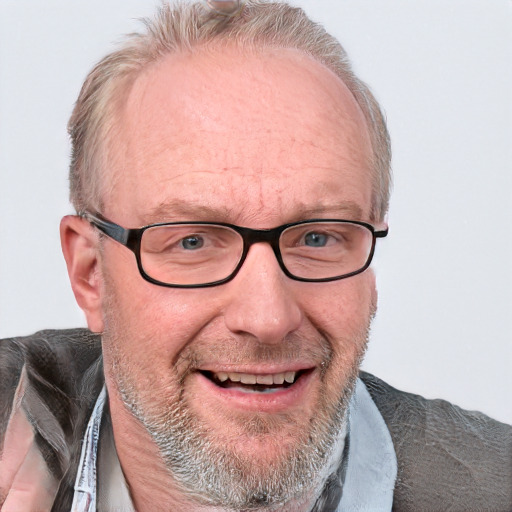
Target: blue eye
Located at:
point(315, 240)
point(192, 242)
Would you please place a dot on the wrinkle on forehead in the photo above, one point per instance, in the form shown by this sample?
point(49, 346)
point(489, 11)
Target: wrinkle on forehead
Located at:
point(177, 210)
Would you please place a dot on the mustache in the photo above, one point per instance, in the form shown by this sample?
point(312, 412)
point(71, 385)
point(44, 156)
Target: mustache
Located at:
point(246, 349)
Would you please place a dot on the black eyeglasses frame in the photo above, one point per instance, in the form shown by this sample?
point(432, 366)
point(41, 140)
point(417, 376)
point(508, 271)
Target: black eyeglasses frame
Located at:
point(131, 239)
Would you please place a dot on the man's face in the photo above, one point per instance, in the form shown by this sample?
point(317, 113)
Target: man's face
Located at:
point(257, 140)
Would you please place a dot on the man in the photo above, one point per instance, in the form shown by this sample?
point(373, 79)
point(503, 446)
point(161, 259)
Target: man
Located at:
point(231, 177)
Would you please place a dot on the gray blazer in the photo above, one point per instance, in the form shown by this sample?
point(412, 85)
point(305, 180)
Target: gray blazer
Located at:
point(448, 459)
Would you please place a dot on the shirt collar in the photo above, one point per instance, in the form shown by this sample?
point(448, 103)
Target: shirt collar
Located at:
point(111, 494)
point(84, 499)
point(371, 466)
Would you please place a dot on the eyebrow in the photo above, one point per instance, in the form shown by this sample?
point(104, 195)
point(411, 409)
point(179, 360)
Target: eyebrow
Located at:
point(344, 208)
point(178, 210)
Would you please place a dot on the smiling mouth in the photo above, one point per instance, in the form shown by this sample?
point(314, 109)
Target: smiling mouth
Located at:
point(255, 383)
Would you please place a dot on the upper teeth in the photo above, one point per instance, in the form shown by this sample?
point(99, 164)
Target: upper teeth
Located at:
point(250, 378)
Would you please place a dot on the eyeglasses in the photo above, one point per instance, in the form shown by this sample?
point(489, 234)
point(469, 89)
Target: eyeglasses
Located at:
point(201, 254)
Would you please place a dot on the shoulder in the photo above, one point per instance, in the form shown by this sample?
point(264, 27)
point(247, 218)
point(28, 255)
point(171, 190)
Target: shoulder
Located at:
point(53, 359)
point(448, 458)
point(74, 348)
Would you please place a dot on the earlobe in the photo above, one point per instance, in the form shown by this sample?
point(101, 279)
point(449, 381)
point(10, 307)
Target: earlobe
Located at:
point(79, 243)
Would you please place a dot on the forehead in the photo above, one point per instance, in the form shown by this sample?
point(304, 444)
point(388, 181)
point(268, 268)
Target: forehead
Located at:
point(256, 136)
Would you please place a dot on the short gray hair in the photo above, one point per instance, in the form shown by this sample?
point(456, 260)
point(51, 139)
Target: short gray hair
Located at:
point(185, 26)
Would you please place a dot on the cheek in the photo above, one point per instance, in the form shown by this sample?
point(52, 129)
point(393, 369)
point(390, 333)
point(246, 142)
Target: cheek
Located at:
point(343, 307)
point(343, 315)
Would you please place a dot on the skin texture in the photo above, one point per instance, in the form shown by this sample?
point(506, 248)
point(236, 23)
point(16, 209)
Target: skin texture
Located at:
point(255, 139)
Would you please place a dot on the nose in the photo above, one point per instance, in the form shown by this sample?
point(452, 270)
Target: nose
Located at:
point(261, 300)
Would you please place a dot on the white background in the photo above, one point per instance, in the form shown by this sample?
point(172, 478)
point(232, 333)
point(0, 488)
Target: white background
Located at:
point(442, 72)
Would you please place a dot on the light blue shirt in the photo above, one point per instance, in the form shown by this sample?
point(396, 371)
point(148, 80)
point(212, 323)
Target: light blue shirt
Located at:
point(369, 478)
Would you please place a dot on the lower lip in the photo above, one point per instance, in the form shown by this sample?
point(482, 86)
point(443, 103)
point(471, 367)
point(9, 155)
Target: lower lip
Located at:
point(277, 401)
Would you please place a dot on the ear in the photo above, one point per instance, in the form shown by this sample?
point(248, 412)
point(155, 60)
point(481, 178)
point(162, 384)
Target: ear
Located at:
point(80, 247)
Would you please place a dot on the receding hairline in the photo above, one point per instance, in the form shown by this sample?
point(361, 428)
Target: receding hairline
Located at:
point(184, 26)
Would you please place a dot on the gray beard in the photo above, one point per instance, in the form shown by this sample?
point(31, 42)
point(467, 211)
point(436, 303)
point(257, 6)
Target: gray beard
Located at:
point(215, 475)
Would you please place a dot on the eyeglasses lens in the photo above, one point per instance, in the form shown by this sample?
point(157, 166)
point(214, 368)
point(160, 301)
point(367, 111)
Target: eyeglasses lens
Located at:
point(195, 254)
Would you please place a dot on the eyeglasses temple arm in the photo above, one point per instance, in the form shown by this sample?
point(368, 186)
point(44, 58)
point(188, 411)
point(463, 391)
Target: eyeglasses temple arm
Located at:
point(382, 233)
point(118, 233)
